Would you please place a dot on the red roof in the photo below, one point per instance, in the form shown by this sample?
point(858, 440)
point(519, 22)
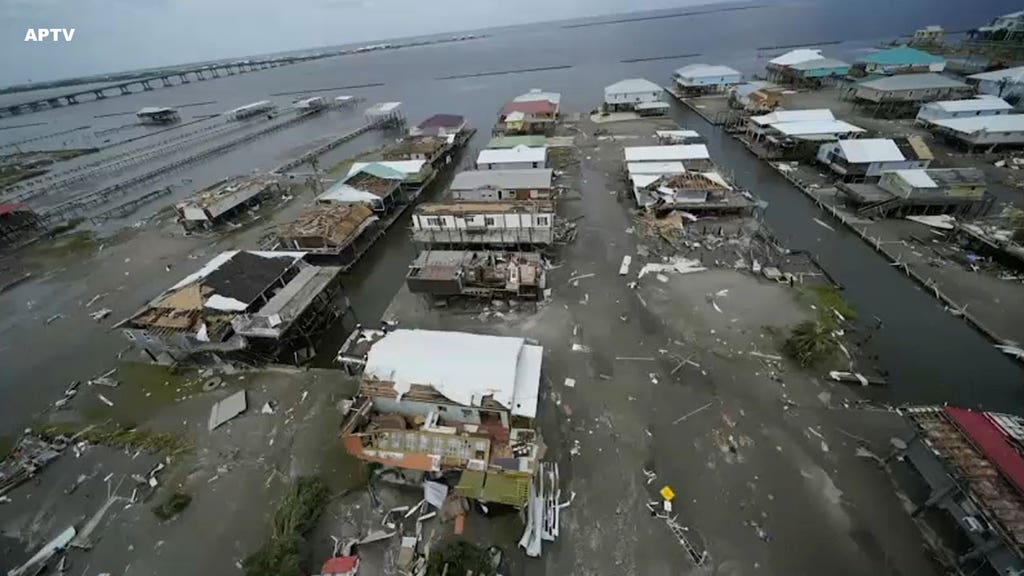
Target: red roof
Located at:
point(442, 121)
point(8, 208)
point(990, 439)
point(531, 107)
point(340, 565)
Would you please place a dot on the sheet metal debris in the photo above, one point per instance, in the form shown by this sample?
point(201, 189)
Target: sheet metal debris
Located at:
point(227, 409)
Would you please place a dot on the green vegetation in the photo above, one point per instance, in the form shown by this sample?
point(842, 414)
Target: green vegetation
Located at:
point(285, 553)
point(173, 506)
point(464, 558)
point(120, 436)
point(814, 342)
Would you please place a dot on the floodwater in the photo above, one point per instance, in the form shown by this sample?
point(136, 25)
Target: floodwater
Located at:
point(930, 355)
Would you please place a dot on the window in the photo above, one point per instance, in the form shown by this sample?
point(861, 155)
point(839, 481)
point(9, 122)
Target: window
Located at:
point(434, 221)
point(543, 221)
point(490, 221)
point(467, 413)
point(442, 408)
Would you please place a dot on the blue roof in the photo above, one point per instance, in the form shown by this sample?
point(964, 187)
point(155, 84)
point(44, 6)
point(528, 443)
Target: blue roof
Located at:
point(902, 55)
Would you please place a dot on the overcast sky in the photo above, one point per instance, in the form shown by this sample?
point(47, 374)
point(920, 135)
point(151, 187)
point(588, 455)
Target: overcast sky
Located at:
point(114, 35)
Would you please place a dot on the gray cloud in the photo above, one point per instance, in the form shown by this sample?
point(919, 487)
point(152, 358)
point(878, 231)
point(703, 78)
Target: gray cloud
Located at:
point(113, 35)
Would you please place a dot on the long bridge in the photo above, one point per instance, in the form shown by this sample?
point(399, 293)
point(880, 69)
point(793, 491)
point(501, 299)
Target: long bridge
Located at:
point(165, 79)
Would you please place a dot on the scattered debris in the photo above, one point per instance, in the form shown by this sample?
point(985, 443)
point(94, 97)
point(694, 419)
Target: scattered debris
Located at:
point(105, 400)
point(53, 318)
point(570, 383)
point(823, 224)
point(52, 547)
point(692, 412)
point(227, 409)
point(624, 267)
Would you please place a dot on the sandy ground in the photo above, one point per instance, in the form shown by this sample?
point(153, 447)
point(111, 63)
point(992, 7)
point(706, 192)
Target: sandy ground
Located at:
point(235, 474)
point(762, 459)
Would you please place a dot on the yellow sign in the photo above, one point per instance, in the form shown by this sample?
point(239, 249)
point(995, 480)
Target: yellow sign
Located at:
point(667, 493)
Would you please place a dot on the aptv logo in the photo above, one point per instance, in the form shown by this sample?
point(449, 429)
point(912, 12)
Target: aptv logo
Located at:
point(54, 34)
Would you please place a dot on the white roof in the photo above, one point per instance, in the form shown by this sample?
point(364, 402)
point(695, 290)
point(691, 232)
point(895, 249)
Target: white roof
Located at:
point(705, 70)
point(403, 166)
point(793, 116)
point(659, 168)
point(812, 127)
point(864, 150)
point(520, 153)
point(1001, 123)
point(536, 94)
point(462, 367)
point(536, 178)
point(644, 180)
point(917, 178)
point(977, 104)
point(677, 134)
point(1015, 74)
point(796, 56)
point(632, 85)
point(344, 194)
point(515, 116)
point(666, 153)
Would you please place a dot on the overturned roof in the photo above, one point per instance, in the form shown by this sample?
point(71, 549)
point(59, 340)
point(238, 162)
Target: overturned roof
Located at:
point(528, 178)
point(928, 80)
point(465, 368)
point(690, 181)
point(865, 150)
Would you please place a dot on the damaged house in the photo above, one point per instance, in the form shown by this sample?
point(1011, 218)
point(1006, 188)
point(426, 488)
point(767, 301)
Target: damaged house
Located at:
point(863, 159)
point(256, 305)
point(224, 201)
point(796, 134)
point(476, 224)
point(441, 274)
point(431, 149)
point(341, 231)
point(899, 193)
point(694, 192)
point(374, 184)
point(436, 401)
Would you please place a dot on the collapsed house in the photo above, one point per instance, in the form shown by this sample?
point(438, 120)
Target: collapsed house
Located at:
point(476, 224)
point(250, 110)
point(899, 193)
point(694, 192)
point(997, 236)
point(224, 201)
point(374, 184)
point(341, 231)
point(436, 401)
point(431, 149)
point(757, 97)
point(256, 305)
point(441, 274)
point(972, 463)
point(862, 159)
point(491, 185)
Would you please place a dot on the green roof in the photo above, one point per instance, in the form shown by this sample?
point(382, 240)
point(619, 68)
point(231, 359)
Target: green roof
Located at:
point(513, 141)
point(381, 171)
point(902, 55)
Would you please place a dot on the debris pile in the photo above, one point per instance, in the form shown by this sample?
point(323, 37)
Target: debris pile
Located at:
point(543, 509)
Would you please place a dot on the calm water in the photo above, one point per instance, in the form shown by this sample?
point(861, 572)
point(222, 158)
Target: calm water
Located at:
point(931, 356)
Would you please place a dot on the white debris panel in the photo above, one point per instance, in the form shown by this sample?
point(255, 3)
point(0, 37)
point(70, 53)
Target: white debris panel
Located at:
point(463, 367)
